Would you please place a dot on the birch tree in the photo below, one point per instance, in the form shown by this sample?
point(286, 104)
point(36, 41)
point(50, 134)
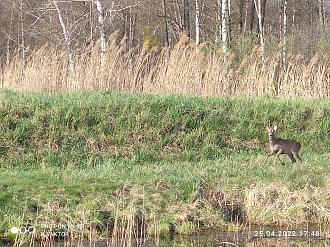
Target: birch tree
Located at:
point(224, 28)
point(100, 12)
point(66, 34)
point(197, 18)
point(285, 20)
point(257, 4)
point(22, 42)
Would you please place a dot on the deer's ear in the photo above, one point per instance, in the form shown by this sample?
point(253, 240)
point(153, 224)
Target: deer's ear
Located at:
point(275, 127)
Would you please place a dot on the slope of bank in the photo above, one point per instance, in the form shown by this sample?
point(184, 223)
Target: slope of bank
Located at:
point(85, 128)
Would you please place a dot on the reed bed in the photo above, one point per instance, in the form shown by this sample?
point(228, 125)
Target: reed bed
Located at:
point(178, 69)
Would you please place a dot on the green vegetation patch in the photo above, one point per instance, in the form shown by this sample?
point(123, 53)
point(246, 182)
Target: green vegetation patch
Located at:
point(60, 129)
point(181, 197)
point(167, 164)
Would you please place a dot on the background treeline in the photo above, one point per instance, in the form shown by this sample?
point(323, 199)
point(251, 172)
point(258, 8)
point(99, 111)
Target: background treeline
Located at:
point(30, 24)
point(287, 37)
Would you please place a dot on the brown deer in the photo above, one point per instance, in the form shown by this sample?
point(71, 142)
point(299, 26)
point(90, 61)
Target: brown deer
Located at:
point(280, 146)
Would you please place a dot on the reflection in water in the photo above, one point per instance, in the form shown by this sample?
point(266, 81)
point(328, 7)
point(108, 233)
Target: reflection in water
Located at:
point(225, 240)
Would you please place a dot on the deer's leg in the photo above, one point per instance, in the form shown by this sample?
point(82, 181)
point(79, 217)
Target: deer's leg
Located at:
point(297, 157)
point(291, 157)
point(272, 153)
point(278, 156)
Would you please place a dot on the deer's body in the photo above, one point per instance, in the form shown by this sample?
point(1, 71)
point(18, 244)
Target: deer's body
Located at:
point(280, 146)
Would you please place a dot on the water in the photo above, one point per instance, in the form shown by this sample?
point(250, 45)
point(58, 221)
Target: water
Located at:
point(262, 236)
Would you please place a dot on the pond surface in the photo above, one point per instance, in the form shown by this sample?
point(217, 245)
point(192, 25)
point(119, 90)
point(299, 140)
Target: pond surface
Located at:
point(261, 236)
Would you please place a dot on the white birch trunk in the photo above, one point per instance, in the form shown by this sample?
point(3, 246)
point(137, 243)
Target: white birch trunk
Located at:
point(285, 20)
point(224, 28)
point(257, 4)
point(197, 24)
point(22, 31)
point(100, 11)
point(66, 35)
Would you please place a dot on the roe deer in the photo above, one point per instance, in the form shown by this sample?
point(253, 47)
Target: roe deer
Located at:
point(280, 146)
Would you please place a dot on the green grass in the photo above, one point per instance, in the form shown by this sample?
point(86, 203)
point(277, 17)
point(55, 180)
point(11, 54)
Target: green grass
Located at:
point(171, 193)
point(175, 161)
point(84, 128)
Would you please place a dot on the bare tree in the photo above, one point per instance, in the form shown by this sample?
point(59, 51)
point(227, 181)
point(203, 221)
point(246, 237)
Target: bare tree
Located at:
point(197, 18)
point(241, 15)
point(166, 23)
point(285, 20)
point(186, 17)
point(66, 34)
point(100, 12)
point(9, 35)
point(22, 41)
point(253, 11)
point(29, 24)
point(257, 4)
point(224, 28)
point(246, 16)
point(321, 9)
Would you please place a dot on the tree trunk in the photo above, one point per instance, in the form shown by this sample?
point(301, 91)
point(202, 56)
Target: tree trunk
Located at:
point(186, 17)
point(100, 12)
point(179, 17)
point(167, 36)
point(257, 4)
point(22, 43)
point(246, 16)
point(224, 28)
point(228, 21)
point(67, 37)
point(293, 29)
point(241, 11)
point(133, 30)
point(9, 35)
point(280, 21)
point(321, 8)
point(197, 23)
point(264, 13)
point(252, 15)
point(285, 20)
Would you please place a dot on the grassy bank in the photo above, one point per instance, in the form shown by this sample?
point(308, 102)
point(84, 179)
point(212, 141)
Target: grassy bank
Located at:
point(84, 128)
point(161, 164)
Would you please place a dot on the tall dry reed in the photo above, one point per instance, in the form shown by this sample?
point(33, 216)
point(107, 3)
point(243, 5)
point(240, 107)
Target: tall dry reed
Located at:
point(179, 69)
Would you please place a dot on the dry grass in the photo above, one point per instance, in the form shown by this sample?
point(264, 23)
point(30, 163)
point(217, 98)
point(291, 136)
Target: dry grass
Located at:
point(177, 70)
point(277, 204)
